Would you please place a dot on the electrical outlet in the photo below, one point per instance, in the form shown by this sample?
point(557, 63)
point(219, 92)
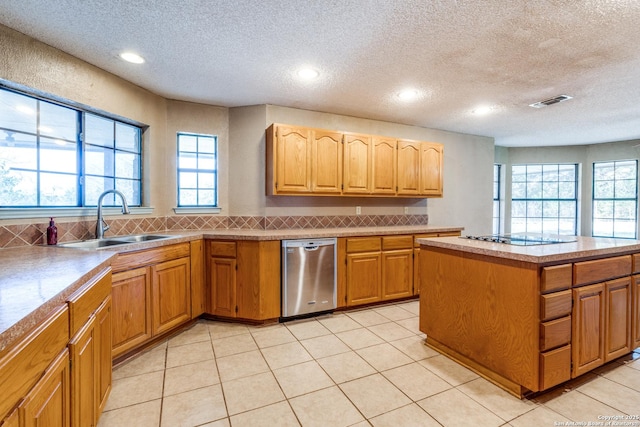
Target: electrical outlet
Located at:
point(358, 210)
point(406, 210)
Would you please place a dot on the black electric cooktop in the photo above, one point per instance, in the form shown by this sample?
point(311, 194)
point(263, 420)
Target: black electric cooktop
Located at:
point(523, 239)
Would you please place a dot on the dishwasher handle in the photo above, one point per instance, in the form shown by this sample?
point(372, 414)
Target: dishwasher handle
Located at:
point(311, 248)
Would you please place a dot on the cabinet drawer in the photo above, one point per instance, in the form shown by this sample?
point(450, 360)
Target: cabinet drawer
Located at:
point(363, 244)
point(131, 260)
point(600, 270)
point(556, 278)
point(222, 249)
point(554, 305)
point(555, 367)
point(636, 263)
point(87, 299)
point(555, 333)
point(397, 242)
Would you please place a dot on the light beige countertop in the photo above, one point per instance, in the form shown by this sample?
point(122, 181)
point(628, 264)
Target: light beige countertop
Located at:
point(583, 248)
point(34, 280)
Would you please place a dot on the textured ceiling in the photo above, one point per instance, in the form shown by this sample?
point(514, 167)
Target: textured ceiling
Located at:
point(459, 54)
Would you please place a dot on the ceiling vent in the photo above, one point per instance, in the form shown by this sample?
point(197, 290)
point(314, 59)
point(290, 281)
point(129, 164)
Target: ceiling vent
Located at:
point(551, 101)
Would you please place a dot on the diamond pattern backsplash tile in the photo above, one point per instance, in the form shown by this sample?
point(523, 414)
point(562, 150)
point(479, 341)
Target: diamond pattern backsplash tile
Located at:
point(35, 234)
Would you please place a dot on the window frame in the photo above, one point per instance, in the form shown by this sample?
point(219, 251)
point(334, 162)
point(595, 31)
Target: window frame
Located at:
point(575, 200)
point(190, 208)
point(81, 207)
point(614, 198)
point(497, 198)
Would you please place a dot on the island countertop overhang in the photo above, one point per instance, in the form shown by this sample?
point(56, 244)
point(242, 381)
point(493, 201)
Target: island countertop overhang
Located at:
point(584, 248)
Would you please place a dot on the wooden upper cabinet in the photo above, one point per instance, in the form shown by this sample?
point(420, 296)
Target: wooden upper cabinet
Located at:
point(384, 165)
point(357, 164)
point(307, 161)
point(293, 160)
point(408, 168)
point(326, 162)
point(431, 155)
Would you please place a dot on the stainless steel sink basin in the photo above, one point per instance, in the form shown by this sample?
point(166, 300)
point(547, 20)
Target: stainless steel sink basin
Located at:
point(140, 238)
point(93, 244)
point(113, 241)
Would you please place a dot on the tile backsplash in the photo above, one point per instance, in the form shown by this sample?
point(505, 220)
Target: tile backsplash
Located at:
point(35, 234)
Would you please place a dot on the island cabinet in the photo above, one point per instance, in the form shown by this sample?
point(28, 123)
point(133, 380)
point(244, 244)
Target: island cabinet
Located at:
point(309, 161)
point(243, 278)
point(524, 325)
point(377, 268)
point(603, 328)
point(151, 294)
point(416, 254)
point(34, 376)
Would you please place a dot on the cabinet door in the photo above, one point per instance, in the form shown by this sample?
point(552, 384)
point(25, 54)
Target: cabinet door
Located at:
point(171, 294)
point(397, 274)
point(104, 345)
point(326, 162)
point(588, 329)
point(357, 164)
point(416, 271)
point(431, 169)
point(11, 420)
point(222, 276)
point(408, 168)
point(293, 161)
point(618, 318)
point(47, 404)
point(84, 361)
point(636, 312)
point(131, 299)
point(363, 278)
point(383, 165)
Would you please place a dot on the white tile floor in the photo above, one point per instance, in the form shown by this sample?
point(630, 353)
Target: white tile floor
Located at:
point(359, 368)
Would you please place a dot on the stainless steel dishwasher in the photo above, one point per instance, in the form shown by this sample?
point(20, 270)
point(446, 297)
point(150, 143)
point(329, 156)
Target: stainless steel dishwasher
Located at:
point(308, 276)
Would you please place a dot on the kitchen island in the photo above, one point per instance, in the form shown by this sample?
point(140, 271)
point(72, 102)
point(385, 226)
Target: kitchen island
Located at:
point(530, 317)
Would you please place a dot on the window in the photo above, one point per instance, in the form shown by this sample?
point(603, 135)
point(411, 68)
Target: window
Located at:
point(197, 170)
point(46, 162)
point(544, 198)
point(615, 199)
point(496, 198)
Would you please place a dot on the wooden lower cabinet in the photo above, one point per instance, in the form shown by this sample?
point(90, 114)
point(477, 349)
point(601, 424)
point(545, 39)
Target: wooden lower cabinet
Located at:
point(416, 255)
point(151, 294)
point(244, 279)
point(171, 294)
point(635, 340)
point(618, 318)
point(11, 420)
point(84, 358)
point(377, 268)
point(131, 294)
point(104, 371)
point(48, 402)
point(363, 278)
point(397, 274)
point(588, 328)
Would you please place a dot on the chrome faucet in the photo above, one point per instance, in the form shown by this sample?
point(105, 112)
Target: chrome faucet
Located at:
point(102, 226)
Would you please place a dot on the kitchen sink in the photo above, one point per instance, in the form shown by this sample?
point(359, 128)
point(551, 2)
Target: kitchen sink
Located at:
point(113, 241)
point(140, 238)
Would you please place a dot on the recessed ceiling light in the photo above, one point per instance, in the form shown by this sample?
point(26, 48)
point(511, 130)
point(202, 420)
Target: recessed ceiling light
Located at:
point(408, 94)
point(134, 58)
point(308, 73)
point(482, 110)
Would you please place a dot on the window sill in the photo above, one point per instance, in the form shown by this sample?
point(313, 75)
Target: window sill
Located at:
point(196, 210)
point(19, 213)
